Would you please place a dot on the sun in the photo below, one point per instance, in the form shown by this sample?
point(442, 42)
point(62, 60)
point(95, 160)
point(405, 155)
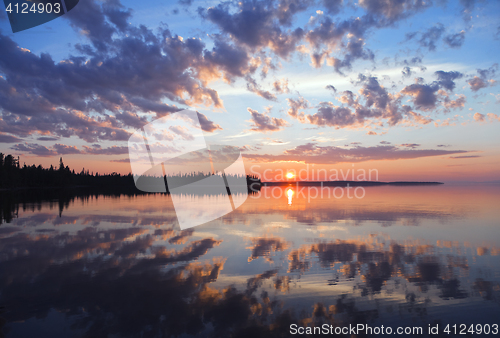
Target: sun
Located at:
point(290, 175)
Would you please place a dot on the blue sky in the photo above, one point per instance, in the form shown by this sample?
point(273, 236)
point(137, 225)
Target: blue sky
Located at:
point(408, 87)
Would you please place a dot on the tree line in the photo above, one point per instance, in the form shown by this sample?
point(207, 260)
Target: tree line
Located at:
point(13, 175)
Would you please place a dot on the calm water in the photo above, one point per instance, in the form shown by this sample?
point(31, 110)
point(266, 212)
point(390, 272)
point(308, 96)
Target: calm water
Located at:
point(113, 267)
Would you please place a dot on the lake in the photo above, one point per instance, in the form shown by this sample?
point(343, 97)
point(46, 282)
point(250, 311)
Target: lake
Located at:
point(119, 266)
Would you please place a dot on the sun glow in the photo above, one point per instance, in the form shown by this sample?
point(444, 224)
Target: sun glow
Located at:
point(290, 175)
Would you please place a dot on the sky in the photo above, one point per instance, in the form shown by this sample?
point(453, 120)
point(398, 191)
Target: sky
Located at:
point(406, 88)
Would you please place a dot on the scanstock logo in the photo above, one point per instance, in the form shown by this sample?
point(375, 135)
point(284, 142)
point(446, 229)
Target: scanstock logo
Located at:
point(171, 155)
point(24, 14)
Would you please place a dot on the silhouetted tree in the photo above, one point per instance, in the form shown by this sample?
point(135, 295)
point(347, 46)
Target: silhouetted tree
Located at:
point(14, 176)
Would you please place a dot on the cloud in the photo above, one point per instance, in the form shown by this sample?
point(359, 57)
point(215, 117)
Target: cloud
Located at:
point(333, 6)
point(252, 25)
point(465, 156)
point(418, 118)
point(61, 149)
point(458, 103)
point(113, 150)
point(378, 102)
point(446, 79)
point(5, 138)
point(99, 23)
point(249, 148)
point(373, 92)
point(275, 142)
point(234, 61)
point(98, 93)
point(479, 117)
point(329, 35)
point(450, 121)
point(256, 25)
point(482, 118)
point(429, 38)
point(131, 119)
point(455, 40)
point(296, 105)
point(182, 132)
point(207, 125)
point(47, 138)
point(254, 87)
point(122, 160)
point(406, 71)
point(468, 6)
point(424, 96)
point(312, 153)
point(484, 79)
point(393, 10)
point(373, 102)
point(287, 9)
point(264, 123)
point(330, 115)
point(492, 116)
point(281, 86)
point(412, 62)
point(101, 91)
point(34, 149)
point(332, 88)
point(477, 83)
point(410, 145)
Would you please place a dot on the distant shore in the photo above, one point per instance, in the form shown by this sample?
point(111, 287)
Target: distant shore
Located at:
point(346, 183)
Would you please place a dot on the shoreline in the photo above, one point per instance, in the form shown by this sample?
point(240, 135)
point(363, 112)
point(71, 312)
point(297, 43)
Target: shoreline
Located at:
point(347, 183)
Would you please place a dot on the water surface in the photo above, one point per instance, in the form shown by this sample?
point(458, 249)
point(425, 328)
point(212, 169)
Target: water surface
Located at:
point(97, 266)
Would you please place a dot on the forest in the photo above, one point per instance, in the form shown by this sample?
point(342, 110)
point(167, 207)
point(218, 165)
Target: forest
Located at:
point(13, 175)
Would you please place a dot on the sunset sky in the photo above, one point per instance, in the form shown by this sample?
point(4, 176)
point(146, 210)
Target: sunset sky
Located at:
point(407, 87)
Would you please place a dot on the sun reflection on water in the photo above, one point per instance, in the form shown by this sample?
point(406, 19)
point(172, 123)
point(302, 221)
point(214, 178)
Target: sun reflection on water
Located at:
point(289, 193)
